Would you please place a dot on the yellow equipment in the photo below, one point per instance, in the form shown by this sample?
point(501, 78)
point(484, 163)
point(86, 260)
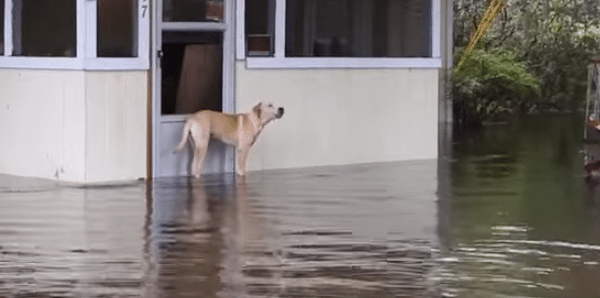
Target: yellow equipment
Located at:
point(490, 15)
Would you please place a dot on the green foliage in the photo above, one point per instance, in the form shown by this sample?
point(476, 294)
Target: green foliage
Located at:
point(559, 56)
point(554, 39)
point(491, 82)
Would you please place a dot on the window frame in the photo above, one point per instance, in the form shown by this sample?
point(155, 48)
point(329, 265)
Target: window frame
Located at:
point(86, 25)
point(279, 60)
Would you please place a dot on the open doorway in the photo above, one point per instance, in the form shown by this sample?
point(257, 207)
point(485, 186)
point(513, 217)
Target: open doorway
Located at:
point(194, 71)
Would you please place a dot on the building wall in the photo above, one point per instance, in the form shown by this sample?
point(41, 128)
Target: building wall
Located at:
point(342, 116)
point(42, 123)
point(116, 114)
point(72, 125)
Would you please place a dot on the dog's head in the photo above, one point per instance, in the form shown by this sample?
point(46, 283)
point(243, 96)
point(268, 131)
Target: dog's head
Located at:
point(266, 112)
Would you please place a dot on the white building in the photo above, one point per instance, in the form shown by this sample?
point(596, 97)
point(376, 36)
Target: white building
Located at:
point(97, 90)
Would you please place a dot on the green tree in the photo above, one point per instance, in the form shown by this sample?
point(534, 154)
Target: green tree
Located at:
point(491, 82)
point(555, 39)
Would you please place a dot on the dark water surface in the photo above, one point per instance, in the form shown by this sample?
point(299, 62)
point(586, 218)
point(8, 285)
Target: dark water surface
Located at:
point(505, 213)
point(520, 219)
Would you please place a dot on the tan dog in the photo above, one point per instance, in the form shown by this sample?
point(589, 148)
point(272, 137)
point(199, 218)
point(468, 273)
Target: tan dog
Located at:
point(239, 130)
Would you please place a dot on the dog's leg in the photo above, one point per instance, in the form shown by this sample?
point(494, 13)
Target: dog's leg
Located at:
point(184, 136)
point(200, 138)
point(242, 157)
point(199, 153)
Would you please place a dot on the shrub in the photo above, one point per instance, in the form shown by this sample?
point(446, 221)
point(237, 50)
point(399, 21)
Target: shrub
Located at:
point(490, 82)
point(556, 40)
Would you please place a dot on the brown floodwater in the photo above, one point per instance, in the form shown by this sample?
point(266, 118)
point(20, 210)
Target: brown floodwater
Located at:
point(505, 212)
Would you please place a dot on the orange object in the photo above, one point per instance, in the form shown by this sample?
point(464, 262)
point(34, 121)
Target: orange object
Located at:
point(593, 123)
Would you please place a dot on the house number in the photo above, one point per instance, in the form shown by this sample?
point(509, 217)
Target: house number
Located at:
point(144, 8)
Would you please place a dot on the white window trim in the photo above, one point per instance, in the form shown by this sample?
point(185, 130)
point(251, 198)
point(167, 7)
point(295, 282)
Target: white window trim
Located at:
point(141, 62)
point(342, 62)
point(7, 61)
point(436, 29)
point(8, 42)
point(240, 41)
point(280, 61)
point(86, 43)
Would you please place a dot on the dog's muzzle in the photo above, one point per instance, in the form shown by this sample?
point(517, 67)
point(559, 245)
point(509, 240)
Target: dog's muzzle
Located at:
point(279, 113)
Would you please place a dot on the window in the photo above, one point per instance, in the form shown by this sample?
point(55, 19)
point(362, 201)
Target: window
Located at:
point(117, 28)
point(341, 33)
point(192, 66)
point(44, 28)
point(192, 10)
point(358, 28)
point(260, 27)
point(75, 34)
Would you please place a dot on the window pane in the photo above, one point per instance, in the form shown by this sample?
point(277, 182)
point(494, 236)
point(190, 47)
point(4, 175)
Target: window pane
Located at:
point(358, 28)
point(44, 28)
point(117, 28)
point(192, 10)
point(1, 27)
point(260, 27)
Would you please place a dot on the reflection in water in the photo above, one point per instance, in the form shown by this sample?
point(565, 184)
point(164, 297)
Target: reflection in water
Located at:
point(515, 218)
point(524, 223)
point(347, 231)
point(355, 231)
point(70, 242)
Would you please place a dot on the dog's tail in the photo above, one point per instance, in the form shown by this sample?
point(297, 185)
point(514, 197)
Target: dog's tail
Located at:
point(184, 137)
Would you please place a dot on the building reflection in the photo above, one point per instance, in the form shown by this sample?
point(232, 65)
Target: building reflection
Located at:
point(340, 231)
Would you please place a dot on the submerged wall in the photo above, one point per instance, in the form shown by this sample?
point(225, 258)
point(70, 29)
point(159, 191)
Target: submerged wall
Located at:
point(117, 121)
point(73, 125)
point(342, 116)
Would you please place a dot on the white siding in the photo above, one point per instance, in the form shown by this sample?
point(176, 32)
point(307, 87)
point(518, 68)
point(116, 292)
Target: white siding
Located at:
point(116, 113)
point(342, 116)
point(72, 125)
point(42, 123)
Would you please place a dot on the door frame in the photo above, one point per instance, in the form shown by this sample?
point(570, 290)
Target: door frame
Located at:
point(228, 92)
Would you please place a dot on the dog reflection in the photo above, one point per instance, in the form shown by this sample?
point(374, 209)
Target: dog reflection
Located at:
point(250, 227)
point(186, 243)
point(202, 234)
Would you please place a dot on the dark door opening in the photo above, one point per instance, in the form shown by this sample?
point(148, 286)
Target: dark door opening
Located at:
point(192, 72)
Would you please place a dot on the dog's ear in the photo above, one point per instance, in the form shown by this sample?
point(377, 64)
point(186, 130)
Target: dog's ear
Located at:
point(256, 109)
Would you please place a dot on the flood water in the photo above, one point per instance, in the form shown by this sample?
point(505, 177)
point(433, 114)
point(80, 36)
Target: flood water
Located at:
point(522, 220)
point(506, 212)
